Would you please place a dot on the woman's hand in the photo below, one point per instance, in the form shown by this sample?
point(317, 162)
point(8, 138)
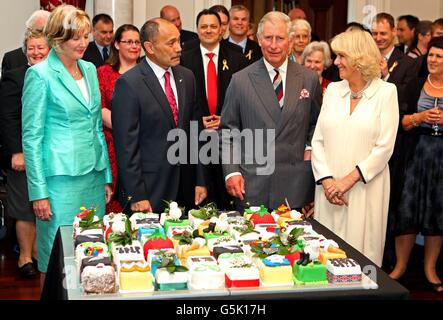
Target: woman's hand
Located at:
point(18, 162)
point(430, 116)
point(108, 193)
point(42, 209)
point(329, 186)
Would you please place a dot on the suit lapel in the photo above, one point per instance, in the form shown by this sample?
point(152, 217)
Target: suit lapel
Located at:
point(265, 91)
point(224, 73)
point(154, 86)
point(293, 87)
point(181, 92)
point(66, 79)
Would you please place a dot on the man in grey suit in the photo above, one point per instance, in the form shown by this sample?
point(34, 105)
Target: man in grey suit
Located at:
point(283, 98)
point(150, 101)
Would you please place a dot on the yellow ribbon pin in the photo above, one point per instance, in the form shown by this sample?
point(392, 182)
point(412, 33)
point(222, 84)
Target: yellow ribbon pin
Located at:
point(393, 66)
point(225, 65)
point(249, 55)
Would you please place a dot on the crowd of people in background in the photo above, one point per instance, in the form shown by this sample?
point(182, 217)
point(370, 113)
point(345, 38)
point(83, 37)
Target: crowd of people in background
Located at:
point(358, 123)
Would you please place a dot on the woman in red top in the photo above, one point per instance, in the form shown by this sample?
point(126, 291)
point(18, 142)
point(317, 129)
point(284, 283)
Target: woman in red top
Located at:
point(317, 57)
point(125, 54)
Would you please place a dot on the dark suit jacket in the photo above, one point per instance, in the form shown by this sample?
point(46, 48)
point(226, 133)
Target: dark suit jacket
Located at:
point(142, 120)
point(252, 50)
point(11, 88)
point(404, 70)
point(14, 59)
point(93, 54)
point(229, 62)
point(251, 103)
point(186, 36)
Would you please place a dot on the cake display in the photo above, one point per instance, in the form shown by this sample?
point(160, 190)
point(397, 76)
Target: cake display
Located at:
point(135, 277)
point(275, 270)
point(343, 271)
point(98, 279)
point(213, 250)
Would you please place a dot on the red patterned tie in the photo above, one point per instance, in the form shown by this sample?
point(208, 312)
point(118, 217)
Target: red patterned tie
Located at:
point(211, 85)
point(171, 98)
point(278, 87)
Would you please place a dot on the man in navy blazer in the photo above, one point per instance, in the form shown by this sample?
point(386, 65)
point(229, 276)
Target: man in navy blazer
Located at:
point(172, 14)
point(144, 113)
point(98, 50)
point(228, 62)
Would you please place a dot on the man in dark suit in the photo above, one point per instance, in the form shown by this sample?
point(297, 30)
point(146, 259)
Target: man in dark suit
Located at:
point(405, 31)
point(151, 102)
point(16, 58)
point(279, 99)
point(172, 14)
point(238, 33)
point(211, 87)
point(98, 50)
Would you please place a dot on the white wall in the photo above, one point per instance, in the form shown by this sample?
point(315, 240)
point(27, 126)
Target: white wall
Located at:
point(12, 22)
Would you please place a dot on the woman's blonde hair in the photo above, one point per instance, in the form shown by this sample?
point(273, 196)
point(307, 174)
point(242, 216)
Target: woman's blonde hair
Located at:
point(65, 23)
point(361, 51)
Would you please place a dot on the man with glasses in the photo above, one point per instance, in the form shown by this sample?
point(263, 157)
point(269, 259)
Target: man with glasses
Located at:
point(103, 31)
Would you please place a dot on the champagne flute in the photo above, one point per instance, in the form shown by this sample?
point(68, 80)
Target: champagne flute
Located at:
point(435, 125)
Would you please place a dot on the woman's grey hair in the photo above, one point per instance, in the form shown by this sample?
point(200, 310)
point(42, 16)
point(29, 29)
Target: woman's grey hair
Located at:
point(272, 17)
point(32, 34)
point(37, 16)
point(321, 46)
point(300, 24)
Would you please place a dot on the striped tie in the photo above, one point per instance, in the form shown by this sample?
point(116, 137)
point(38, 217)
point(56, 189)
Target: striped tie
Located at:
point(278, 87)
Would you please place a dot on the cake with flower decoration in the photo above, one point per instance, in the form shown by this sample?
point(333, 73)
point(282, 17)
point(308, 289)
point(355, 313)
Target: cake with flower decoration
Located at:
point(225, 240)
point(172, 217)
point(155, 254)
point(343, 271)
point(197, 216)
point(169, 274)
point(98, 279)
point(259, 215)
point(88, 226)
point(110, 219)
point(135, 277)
point(90, 249)
point(275, 270)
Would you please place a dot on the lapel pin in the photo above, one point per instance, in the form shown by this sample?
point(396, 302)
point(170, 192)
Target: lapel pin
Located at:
point(249, 55)
point(225, 65)
point(393, 66)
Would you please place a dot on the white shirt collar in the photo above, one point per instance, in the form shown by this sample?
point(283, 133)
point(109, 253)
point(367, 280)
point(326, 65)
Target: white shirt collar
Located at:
point(283, 68)
point(389, 54)
point(158, 71)
point(215, 51)
point(241, 43)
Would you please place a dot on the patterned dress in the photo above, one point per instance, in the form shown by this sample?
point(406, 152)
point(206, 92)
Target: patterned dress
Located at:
point(107, 77)
point(420, 207)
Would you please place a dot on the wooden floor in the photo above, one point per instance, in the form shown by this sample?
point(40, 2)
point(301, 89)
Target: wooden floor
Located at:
point(13, 287)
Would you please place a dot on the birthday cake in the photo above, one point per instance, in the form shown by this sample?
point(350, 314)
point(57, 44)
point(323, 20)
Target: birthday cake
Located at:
point(343, 271)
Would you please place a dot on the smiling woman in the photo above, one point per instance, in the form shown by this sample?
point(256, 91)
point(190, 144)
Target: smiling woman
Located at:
point(63, 142)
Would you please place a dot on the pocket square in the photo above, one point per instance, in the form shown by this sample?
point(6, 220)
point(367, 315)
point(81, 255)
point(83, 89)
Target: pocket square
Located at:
point(304, 94)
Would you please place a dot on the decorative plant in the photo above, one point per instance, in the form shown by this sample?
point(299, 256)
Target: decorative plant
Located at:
point(184, 238)
point(167, 260)
point(121, 236)
point(206, 212)
point(87, 219)
point(278, 245)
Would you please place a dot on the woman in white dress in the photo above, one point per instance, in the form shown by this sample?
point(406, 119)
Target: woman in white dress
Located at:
point(352, 143)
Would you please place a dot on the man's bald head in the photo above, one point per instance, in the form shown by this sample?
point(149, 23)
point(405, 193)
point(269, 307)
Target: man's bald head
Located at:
point(297, 13)
point(171, 14)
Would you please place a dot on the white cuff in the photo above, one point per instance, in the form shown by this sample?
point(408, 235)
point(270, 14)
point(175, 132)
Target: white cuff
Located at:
point(232, 174)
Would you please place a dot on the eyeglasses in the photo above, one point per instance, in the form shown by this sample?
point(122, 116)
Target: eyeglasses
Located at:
point(131, 42)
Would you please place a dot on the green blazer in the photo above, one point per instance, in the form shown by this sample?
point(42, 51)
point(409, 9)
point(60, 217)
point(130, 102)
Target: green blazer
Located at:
point(62, 133)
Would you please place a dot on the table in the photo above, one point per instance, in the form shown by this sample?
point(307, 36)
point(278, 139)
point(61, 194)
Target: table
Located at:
point(62, 281)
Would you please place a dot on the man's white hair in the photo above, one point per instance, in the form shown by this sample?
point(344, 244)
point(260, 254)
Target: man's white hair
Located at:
point(272, 17)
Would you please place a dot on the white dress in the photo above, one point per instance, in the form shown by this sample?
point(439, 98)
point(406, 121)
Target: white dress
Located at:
point(365, 139)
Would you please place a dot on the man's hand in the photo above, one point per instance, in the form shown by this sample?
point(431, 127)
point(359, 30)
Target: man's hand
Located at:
point(235, 186)
point(18, 162)
point(200, 194)
point(211, 122)
point(42, 209)
point(141, 206)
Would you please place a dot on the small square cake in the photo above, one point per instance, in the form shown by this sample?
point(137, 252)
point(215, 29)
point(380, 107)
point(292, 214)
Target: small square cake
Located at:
point(220, 241)
point(89, 237)
point(135, 277)
point(128, 253)
point(93, 261)
point(217, 251)
point(139, 219)
point(171, 281)
point(343, 270)
point(312, 273)
point(275, 270)
point(98, 279)
point(196, 261)
point(299, 224)
point(89, 249)
point(146, 231)
point(175, 223)
point(206, 277)
point(332, 253)
point(241, 273)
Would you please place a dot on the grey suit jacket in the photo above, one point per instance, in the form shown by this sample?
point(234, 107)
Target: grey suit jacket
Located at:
point(251, 103)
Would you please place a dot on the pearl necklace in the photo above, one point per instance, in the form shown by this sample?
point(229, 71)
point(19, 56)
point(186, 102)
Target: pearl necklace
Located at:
point(359, 94)
point(432, 85)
